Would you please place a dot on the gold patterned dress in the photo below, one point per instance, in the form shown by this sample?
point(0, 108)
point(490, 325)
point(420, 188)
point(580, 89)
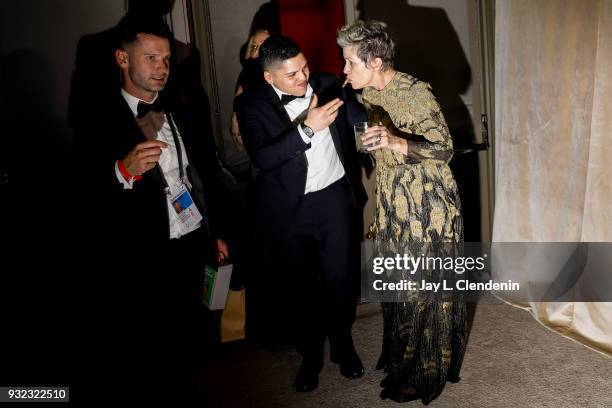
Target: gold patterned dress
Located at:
point(418, 212)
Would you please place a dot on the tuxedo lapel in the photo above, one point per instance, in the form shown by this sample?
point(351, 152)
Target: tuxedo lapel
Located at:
point(134, 136)
point(278, 106)
point(180, 120)
point(337, 141)
point(285, 119)
point(315, 83)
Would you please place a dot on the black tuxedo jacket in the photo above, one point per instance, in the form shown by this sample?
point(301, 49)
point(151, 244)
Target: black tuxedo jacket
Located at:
point(278, 151)
point(142, 211)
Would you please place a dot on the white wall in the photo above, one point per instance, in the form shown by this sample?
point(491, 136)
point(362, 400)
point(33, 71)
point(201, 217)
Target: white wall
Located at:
point(179, 23)
point(230, 20)
point(457, 12)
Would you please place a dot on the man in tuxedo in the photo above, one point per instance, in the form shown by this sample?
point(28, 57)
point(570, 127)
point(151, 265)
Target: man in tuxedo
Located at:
point(308, 201)
point(95, 66)
point(147, 319)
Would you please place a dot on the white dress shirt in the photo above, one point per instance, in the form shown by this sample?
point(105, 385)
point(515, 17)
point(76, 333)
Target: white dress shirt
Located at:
point(324, 165)
point(168, 162)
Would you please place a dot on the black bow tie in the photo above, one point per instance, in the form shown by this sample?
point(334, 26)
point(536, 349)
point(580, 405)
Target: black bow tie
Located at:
point(285, 99)
point(144, 108)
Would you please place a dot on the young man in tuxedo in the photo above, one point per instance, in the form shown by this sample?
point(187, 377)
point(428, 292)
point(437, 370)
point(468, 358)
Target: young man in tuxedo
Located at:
point(309, 200)
point(136, 161)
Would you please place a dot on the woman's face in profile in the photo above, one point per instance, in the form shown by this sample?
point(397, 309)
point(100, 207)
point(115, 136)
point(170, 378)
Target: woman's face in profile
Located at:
point(356, 71)
point(256, 42)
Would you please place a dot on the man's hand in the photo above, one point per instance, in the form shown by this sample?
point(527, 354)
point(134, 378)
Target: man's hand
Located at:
point(220, 250)
point(150, 124)
point(320, 117)
point(143, 157)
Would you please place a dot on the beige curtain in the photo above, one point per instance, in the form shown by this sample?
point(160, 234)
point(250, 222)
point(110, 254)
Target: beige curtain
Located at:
point(553, 90)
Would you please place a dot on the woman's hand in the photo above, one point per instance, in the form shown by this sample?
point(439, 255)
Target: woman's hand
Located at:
point(378, 137)
point(235, 132)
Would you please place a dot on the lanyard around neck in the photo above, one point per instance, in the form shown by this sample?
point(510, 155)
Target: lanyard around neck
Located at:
point(179, 152)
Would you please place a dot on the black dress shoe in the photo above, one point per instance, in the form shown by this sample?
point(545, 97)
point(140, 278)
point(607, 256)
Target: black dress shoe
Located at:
point(307, 379)
point(352, 367)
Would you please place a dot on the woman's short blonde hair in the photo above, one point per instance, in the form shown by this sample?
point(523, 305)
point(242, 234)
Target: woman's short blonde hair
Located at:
point(371, 40)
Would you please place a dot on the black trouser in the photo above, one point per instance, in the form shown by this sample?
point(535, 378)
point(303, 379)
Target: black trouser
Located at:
point(322, 264)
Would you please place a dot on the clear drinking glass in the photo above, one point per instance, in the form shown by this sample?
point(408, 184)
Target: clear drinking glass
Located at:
point(360, 129)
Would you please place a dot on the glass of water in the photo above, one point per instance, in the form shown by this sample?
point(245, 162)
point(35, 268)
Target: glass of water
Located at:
point(360, 128)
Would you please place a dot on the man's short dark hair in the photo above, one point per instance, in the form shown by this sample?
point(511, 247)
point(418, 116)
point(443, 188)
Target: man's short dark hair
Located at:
point(130, 26)
point(149, 9)
point(275, 49)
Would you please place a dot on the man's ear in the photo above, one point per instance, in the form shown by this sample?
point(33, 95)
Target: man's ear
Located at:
point(268, 77)
point(121, 57)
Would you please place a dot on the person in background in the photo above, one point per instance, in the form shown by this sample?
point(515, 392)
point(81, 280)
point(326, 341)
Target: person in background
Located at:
point(250, 76)
point(245, 260)
point(418, 212)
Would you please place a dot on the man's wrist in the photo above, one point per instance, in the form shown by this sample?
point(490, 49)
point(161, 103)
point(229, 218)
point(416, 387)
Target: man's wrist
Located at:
point(125, 173)
point(308, 131)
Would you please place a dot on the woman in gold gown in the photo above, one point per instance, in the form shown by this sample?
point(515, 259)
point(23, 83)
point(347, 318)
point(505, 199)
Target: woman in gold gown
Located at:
point(418, 212)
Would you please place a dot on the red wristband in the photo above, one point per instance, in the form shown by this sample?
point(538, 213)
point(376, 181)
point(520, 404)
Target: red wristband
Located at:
point(125, 173)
